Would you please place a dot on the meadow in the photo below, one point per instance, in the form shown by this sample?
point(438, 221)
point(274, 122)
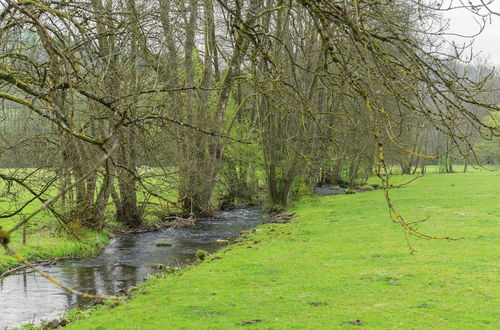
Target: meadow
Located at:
point(341, 263)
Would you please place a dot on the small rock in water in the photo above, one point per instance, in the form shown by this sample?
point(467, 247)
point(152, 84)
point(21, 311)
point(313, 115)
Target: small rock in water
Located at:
point(222, 241)
point(163, 244)
point(54, 324)
point(158, 266)
point(171, 270)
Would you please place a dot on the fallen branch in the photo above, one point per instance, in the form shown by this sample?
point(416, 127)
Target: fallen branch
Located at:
point(281, 218)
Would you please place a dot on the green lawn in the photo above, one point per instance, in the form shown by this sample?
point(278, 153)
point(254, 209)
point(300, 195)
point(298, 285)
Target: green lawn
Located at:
point(341, 260)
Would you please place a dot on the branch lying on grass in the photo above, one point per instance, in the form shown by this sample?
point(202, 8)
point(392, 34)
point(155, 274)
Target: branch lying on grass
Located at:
point(281, 218)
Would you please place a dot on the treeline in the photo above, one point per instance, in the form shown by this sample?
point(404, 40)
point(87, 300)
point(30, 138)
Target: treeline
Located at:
point(206, 98)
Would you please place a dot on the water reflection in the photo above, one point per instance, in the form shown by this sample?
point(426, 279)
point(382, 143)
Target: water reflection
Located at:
point(126, 262)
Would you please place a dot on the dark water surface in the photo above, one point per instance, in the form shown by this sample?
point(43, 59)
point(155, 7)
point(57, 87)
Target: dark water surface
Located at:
point(126, 262)
point(328, 190)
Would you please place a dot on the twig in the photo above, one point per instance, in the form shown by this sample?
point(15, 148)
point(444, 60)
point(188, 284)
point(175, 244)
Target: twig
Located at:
point(396, 217)
point(404, 184)
point(22, 267)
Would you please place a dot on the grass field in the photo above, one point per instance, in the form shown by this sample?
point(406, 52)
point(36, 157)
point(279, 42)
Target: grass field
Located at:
point(341, 263)
point(45, 239)
point(43, 243)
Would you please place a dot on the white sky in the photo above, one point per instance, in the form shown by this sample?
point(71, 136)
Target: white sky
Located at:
point(488, 42)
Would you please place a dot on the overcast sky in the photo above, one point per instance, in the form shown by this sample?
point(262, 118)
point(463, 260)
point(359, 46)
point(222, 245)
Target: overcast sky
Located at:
point(488, 42)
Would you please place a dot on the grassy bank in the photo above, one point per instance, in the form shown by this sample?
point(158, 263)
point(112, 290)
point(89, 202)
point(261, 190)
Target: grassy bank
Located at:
point(340, 264)
point(45, 238)
point(43, 242)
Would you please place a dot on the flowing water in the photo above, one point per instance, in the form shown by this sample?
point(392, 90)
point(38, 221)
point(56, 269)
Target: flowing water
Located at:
point(328, 190)
point(127, 261)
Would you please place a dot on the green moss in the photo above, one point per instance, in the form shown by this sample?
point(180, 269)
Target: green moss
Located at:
point(201, 254)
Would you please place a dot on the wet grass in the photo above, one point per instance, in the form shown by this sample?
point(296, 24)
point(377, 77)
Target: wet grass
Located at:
point(340, 264)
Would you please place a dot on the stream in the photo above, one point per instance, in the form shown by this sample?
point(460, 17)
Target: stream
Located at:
point(26, 297)
point(327, 190)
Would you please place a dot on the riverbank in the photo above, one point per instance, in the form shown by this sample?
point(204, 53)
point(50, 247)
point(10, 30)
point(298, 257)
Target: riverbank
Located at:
point(341, 263)
point(44, 244)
